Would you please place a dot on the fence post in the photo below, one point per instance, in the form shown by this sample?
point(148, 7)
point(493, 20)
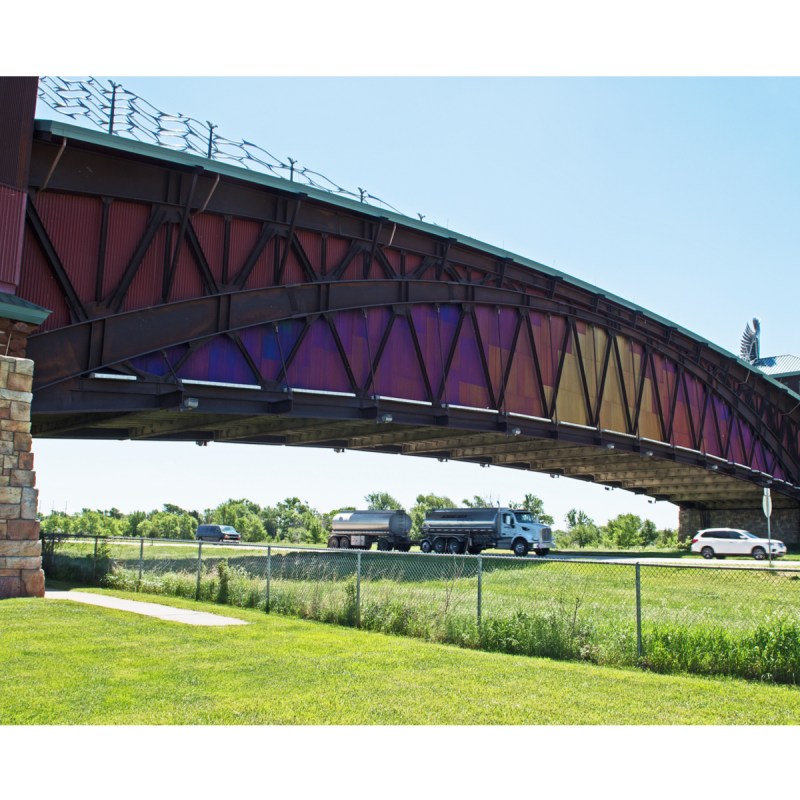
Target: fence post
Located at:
point(113, 106)
point(638, 611)
point(358, 590)
point(141, 561)
point(199, 569)
point(269, 573)
point(94, 562)
point(480, 589)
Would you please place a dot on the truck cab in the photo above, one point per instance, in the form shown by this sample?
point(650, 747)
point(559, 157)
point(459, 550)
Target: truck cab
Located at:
point(518, 531)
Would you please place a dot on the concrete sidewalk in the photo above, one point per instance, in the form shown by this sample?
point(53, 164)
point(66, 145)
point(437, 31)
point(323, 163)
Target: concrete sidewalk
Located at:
point(147, 609)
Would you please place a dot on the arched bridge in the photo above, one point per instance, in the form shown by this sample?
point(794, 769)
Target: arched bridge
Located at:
point(197, 301)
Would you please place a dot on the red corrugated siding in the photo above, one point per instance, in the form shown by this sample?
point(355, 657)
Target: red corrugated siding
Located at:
point(38, 285)
point(145, 290)
point(187, 282)
point(126, 224)
point(12, 215)
point(243, 237)
point(73, 225)
point(210, 230)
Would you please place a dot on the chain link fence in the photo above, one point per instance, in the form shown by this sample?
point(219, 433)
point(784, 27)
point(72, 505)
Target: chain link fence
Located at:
point(741, 621)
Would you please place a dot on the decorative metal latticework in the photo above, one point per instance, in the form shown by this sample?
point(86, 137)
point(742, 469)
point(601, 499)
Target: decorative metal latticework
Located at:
point(116, 110)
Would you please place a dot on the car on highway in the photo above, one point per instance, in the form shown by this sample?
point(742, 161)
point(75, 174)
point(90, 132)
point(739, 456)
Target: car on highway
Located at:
point(217, 533)
point(721, 542)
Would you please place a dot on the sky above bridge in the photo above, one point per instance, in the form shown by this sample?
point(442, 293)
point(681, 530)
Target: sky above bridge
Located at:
point(678, 194)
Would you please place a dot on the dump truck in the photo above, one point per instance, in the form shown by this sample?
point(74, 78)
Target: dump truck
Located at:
point(472, 530)
point(390, 530)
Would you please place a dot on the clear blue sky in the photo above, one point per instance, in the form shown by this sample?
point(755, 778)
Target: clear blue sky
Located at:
point(679, 194)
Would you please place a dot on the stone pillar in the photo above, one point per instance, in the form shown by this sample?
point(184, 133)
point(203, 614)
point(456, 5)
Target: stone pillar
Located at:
point(20, 548)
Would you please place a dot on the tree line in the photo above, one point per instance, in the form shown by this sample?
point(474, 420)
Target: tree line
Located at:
point(294, 521)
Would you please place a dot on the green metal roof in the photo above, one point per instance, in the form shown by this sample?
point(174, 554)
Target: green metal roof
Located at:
point(13, 307)
point(126, 145)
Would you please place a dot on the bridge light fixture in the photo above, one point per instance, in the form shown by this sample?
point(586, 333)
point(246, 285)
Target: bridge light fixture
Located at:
point(442, 460)
point(713, 467)
point(515, 431)
point(648, 453)
point(338, 449)
point(188, 404)
point(202, 443)
point(610, 446)
point(383, 419)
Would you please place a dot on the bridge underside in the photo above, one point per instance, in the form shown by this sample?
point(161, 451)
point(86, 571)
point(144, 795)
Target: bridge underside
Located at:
point(108, 407)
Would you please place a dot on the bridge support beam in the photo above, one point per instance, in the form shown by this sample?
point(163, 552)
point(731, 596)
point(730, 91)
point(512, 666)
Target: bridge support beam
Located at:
point(784, 522)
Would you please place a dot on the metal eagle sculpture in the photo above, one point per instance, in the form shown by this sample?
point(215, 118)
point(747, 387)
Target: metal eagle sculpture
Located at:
point(750, 346)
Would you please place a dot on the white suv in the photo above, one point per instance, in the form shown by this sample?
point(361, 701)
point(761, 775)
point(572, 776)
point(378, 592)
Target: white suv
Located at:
point(721, 542)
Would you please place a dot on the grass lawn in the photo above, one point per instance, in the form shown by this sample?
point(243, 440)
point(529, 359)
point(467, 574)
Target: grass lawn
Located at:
point(64, 663)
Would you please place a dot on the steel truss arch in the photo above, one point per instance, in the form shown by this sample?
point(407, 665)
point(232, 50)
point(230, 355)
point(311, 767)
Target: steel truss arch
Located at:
point(165, 271)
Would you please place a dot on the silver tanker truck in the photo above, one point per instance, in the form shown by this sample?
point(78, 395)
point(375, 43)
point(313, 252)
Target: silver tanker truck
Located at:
point(360, 529)
point(448, 530)
point(471, 530)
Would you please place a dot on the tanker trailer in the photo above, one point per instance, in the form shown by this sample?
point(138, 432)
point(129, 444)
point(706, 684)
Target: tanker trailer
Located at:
point(360, 529)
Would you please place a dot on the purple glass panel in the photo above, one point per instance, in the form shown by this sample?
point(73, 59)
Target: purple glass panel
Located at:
point(665, 378)
point(724, 421)
point(361, 339)
point(435, 331)
point(317, 364)
point(548, 336)
point(737, 451)
point(681, 428)
point(497, 335)
point(270, 350)
point(522, 392)
point(711, 443)
point(747, 441)
point(759, 458)
point(466, 384)
point(398, 373)
point(219, 360)
point(156, 364)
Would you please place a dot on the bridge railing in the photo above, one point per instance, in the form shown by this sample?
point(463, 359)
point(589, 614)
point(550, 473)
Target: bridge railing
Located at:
point(741, 621)
point(113, 109)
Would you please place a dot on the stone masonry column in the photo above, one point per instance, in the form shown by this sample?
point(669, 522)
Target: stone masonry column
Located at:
point(20, 549)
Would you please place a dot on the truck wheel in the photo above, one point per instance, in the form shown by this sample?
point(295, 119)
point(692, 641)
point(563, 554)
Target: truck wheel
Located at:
point(474, 550)
point(520, 547)
point(542, 551)
point(425, 546)
point(439, 545)
point(344, 543)
point(333, 542)
point(454, 547)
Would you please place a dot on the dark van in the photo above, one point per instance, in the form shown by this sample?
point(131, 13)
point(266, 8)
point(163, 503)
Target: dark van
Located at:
point(217, 533)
